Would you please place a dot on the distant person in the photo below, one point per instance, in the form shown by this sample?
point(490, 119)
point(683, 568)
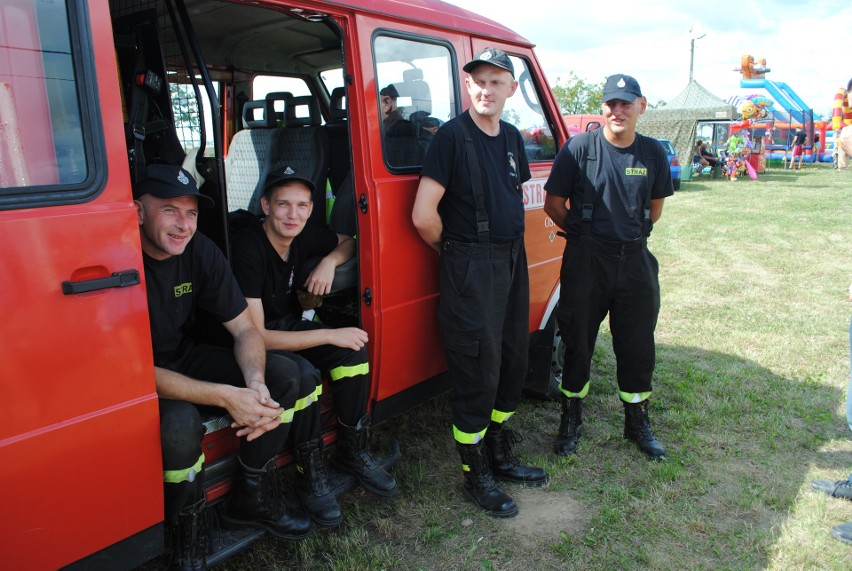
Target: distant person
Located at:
point(605, 191)
point(469, 208)
point(798, 148)
point(817, 148)
point(703, 156)
point(842, 488)
point(393, 123)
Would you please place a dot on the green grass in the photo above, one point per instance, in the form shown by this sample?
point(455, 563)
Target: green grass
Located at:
point(749, 396)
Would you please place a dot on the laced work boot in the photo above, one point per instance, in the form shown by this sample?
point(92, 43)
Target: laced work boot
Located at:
point(257, 501)
point(353, 456)
point(504, 464)
point(570, 426)
point(637, 428)
point(312, 485)
point(479, 484)
point(191, 538)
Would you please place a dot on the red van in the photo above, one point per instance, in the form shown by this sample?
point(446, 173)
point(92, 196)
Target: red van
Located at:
point(92, 91)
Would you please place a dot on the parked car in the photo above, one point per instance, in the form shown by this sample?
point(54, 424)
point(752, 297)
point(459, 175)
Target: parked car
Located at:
point(674, 163)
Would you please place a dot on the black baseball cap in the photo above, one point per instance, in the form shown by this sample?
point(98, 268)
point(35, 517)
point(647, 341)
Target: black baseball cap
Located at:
point(286, 174)
point(169, 181)
point(495, 57)
point(622, 87)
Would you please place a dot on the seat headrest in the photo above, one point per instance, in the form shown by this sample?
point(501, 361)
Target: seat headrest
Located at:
point(415, 93)
point(412, 75)
point(250, 115)
point(303, 111)
point(277, 111)
point(338, 105)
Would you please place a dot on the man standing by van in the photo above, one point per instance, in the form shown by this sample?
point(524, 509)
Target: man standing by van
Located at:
point(469, 208)
point(267, 257)
point(605, 191)
point(185, 273)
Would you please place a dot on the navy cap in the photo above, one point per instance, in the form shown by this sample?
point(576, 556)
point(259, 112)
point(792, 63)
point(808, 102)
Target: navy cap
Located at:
point(621, 87)
point(493, 56)
point(169, 181)
point(286, 174)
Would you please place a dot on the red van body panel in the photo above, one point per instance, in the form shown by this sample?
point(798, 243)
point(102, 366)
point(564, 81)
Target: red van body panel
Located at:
point(80, 460)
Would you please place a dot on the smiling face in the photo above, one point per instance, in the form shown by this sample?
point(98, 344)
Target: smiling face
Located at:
point(287, 209)
point(620, 119)
point(489, 87)
point(166, 224)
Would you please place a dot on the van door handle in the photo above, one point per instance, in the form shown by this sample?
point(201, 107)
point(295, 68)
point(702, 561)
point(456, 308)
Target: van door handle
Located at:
point(123, 278)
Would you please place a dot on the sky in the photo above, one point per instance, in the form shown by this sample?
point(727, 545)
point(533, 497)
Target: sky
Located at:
point(650, 40)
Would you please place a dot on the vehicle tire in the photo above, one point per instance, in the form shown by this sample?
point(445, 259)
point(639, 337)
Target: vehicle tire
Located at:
point(547, 355)
point(676, 184)
point(557, 362)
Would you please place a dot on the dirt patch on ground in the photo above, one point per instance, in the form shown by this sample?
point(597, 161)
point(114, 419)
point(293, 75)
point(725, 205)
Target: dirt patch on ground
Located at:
point(544, 515)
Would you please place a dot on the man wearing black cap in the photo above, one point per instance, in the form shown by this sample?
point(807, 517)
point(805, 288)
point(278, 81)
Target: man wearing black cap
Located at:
point(469, 208)
point(184, 273)
point(605, 191)
point(393, 124)
point(267, 257)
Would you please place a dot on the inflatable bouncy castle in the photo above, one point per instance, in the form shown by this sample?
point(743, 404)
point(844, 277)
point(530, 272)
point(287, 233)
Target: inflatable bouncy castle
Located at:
point(841, 114)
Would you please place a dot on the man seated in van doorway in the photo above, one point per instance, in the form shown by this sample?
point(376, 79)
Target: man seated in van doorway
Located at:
point(393, 123)
point(184, 273)
point(268, 254)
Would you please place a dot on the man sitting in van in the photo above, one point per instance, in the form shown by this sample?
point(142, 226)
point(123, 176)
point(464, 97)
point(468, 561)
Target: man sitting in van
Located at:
point(393, 123)
point(184, 273)
point(268, 254)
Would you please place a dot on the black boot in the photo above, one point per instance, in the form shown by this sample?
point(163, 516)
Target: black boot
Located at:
point(504, 464)
point(191, 536)
point(479, 484)
point(256, 501)
point(312, 485)
point(637, 428)
point(570, 427)
point(353, 456)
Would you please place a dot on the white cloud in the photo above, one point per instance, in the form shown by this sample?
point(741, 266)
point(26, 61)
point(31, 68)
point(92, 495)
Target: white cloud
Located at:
point(806, 44)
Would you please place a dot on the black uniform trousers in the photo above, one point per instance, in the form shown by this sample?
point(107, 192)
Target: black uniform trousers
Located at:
point(483, 316)
point(348, 372)
point(181, 428)
point(622, 280)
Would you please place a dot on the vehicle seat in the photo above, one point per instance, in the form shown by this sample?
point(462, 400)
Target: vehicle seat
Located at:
point(302, 145)
point(337, 128)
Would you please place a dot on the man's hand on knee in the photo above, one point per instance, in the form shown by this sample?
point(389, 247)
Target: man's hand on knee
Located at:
point(251, 415)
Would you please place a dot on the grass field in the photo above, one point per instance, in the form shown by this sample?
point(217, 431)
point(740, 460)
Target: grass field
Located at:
point(749, 397)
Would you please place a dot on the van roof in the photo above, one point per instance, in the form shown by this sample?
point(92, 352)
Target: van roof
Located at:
point(437, 13)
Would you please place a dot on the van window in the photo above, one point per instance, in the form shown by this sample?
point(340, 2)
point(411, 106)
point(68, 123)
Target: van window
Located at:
point(188, 116)
point(45, 138)
point(524, 111)
point(415, 93)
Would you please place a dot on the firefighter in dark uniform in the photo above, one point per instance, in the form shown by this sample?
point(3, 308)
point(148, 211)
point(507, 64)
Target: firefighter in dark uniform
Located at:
point(605, 191)
point(469, 208)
